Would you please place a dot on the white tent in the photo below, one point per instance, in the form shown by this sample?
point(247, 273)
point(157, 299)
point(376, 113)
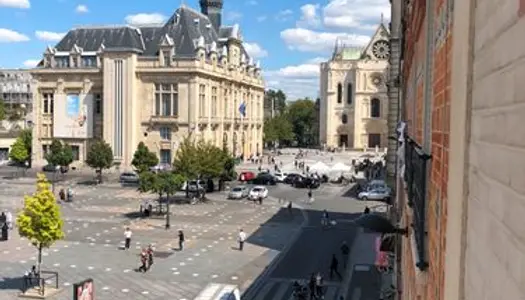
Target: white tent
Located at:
point(320, 167)
point(340, 167)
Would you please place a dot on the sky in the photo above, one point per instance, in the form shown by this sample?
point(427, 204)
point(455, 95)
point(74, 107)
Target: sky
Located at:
point(290, 38)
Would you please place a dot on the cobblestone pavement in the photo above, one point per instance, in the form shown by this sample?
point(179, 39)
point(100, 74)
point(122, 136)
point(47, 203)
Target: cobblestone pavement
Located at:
point(94, 225)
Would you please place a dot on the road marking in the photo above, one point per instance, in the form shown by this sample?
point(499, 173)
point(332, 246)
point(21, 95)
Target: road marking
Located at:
point(125, 290)
point(235, 277)
point(56, 265)
point(67, 284)
point(176, 273)
point(195, 275)
point(72, 266)
point(214, 276)
point(90, 268)
point(105, 288)
point(145, 293)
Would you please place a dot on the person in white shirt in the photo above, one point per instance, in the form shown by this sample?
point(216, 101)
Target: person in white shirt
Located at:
point(9, 220)
point(242, 238)
point(127, 236)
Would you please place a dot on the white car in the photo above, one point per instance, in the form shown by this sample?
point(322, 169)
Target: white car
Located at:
point(279, 176)
point(258, 192)
point(377, 193)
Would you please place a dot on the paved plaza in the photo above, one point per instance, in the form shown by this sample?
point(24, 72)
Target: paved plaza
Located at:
point(94, 227)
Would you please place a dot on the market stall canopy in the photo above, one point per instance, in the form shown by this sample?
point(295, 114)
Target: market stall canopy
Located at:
point(320, 167)
point(340, 167)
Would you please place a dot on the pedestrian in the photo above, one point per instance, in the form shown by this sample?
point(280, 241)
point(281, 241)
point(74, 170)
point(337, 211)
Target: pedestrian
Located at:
point(367, 210)
point(290, 207)
point(181, 240)
point(312, 286)
point(143, 261)
point(3, 218)
point(345, 251)
point(127, 236)
point(149, 252)
point(9, 220)
point(334, 267)
point(319, 285)
point(260, 200)
point(242, 238)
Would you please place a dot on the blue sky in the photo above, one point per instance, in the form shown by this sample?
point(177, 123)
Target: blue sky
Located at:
point(290, 38)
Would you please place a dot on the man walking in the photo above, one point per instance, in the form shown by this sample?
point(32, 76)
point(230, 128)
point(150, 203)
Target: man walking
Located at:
point(127, 236)
point(242, 238)
point(345, 251)
point(9, 220)
point(181, 240)
point(334, 267)
point(143, 261)
point(149, 252)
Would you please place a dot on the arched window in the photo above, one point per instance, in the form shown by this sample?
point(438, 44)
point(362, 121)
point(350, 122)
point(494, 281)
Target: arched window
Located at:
point(375, 112)
point(339, 93)
point(349, 94)
point(344, 119)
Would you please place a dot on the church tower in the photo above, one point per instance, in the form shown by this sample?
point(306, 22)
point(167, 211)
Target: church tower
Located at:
point(213, 9)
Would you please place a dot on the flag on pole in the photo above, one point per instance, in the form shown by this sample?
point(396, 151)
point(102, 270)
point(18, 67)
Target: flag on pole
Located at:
point(242, 109)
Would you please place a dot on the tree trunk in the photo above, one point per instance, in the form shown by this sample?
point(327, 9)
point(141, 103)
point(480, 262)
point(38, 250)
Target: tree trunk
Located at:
point(39, 264)
point(168, 211)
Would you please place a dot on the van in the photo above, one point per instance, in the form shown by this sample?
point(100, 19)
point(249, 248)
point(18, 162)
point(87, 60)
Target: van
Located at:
point(217, 291)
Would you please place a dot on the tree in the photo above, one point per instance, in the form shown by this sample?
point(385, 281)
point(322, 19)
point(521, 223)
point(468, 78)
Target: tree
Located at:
point(143, 159)
point(278, 129)
point(59, 154)
point(302, 116)
point(19, 152)
point(274, 101)
point(40, 221)
point(186, 160)
point(170, 183)
point(100, 157)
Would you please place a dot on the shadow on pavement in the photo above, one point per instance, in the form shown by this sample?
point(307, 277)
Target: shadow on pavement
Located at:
point(12, 283)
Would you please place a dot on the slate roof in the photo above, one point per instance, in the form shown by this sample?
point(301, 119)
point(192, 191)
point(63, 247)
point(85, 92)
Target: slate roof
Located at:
point(184, 27)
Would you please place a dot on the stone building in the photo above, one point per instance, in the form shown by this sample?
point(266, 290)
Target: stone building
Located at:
point(461, 191)
point(353, 95)
point(156, 84)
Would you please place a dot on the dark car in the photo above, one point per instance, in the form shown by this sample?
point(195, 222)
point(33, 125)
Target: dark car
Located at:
point(306, 182)
point(52, 168)
point(290, 179)
point(264, 179)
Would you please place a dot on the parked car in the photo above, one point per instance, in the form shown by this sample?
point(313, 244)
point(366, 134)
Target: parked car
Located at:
point(194, 186)
point(264, 179)
point(246, 176)
point(280, 176)
point(306, 182)
point(290, 178)
point(378, 193)
point(239, 192)
point(376, 184)
point(160, 168)
point(129, 177)
point(52, 168)
point(258, 192)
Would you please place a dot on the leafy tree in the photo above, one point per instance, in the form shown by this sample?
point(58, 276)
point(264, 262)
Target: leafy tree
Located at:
point(19, 153)
point(278, 129)
point(2, 110)
point(211, 160)
point(40, 221)
point(100, 157)
point(302, 116)
point(143, 159)
point(146, 182)
point(277, 99)
point(170, 183)
point(59, 154)
point(186, 160)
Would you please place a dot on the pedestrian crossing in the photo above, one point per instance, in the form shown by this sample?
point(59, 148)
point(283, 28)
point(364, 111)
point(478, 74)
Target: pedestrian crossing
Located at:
point(282, 289)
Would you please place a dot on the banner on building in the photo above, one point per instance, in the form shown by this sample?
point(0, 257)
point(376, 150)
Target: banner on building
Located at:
point(73, 116)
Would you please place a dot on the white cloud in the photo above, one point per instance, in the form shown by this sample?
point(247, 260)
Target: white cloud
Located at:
point(261, 18)
point(296, 81)
point(317, 60)
point(233, 16)
point(309, 16)
point(355, 14)
point(15, 3)
point(306, 40)
point(254, 50)
point(49, 36)
point(81, 9)
point(11, 36)
point(284, 15)
point(145, 19)
point(31, 63)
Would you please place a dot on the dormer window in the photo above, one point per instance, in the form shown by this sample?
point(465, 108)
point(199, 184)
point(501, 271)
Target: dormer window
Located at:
point(62, 61)
point(89, 61)
point(167, 58)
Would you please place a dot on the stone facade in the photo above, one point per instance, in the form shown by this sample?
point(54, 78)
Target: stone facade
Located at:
point(157, 89)
point(354, 107)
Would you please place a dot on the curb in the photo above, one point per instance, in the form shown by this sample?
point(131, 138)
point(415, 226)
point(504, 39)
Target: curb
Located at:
point(258, 282)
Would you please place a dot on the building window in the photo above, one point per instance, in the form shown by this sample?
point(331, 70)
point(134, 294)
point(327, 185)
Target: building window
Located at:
point(374, 140)
point(165, 156)
point(339, 93)
point(98, 104)
point(226, 104)
point(214, 101)
point(165, 133)
point(166, 100)
point(167, 58)
point(375, 112)
point(47, 105)
point(344, 119)
point(349, 94)
point(235, 104)
point(62, 61)
point(89, 61)
point(202, 100)
point(45, 149)
point(76, 153)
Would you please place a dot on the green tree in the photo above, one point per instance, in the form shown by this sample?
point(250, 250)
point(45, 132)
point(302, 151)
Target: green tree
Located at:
point(143, 159)
point(2, 110)
point(211, 160)
point(19, 153)
point(186, 160)
point(302, 116)
point(147, 182)
point(278, 129)
point(170, 183)
point(59, 154)
point(276, 101)
point(40, 221)
point(99, 157)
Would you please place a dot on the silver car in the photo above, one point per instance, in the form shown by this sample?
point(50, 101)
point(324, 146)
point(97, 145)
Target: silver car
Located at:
point(129, 178)
point(238, 192)
point(375, 193)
